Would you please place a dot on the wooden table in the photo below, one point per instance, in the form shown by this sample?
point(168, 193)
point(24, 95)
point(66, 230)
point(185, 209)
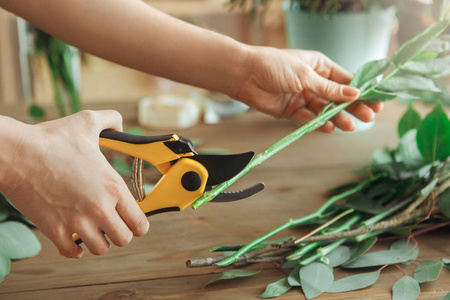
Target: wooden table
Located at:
point(153, 267)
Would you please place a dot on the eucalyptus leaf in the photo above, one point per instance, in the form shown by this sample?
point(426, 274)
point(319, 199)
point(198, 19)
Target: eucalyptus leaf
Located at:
point(410, 120)
point(339, 256)
point(407, 288)
point(444, 203)
point(359, 250)
point(446, 263)
point(354, 282)
point(369, 71)
point(294, 277)
point(405, 82)
point(378, 96)
point(439, 45)
point(446, 297)
point(433, 135)
point(5, 266)
point(386, 257)
point(433, 68)
point(402, 244)
point(425, 55)
point(276, 289)
point(17, 241)
point(407, 151)
point(428, 270)
point(365, 204)
point(231, 274)
point(416, 45)
point(315, 278)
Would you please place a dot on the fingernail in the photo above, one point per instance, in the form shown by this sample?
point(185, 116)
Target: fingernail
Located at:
point(349, 91)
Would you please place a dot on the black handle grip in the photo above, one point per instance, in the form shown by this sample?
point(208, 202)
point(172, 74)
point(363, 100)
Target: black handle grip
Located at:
point(133, 139)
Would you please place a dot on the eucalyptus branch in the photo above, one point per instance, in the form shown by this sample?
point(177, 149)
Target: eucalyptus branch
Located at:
point(317, 214)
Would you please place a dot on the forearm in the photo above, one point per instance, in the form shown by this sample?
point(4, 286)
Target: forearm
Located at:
point(136, 35)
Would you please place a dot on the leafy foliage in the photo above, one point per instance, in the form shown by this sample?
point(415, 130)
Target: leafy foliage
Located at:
point(276, 289)
point(232, 274)
point(17, 241)
point(401, 189)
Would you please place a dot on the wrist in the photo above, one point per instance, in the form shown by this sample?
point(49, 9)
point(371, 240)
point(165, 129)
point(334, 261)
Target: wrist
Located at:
point(11, 132)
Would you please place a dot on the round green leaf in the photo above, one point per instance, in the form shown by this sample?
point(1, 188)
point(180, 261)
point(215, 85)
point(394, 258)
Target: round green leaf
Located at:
point(276, 289)
point(17, 241)
point(410, 120)
point(315, 278)
point(433, 135)
point(446, 262)
point(406, 288)
point(231, 274)
point(294, 277)
point(361, 249)
point(386, 257)
point(446, 297)
point(428, 270)
point(339, 256)
point(354, 282)
point(5, 266)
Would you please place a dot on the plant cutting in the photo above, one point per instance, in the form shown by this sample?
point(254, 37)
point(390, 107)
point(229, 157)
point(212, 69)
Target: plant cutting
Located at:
point(405, 193)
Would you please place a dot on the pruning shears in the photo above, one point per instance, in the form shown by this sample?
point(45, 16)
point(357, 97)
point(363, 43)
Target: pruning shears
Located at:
point(187, 175)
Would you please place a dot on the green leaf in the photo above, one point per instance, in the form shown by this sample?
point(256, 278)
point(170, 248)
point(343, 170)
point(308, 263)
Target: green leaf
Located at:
point(338, 256)
point(294, 277)
point(440, 45)
point(231, 274)
point(361, 250)
point(36, 112)
point(446, 297)
point(416, 45)
point(386, 257)
point(407, 151)
point(433, 68)
point(17, 241)
point(315, 278)
point(369, 71)
point(5, 266)
point(405, 82)
point(407, 288)
point(354, 282)
point(276, 289)
point(446, 262)
point(428, 270)
point(425, 55)
point(433, 135)
point(401, 244)
point(444, 203)
point(410, 120)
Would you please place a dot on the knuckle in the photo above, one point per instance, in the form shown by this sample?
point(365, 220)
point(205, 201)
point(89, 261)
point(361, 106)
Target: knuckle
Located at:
point(100, 249)
point(90, 117)
point(124, 239)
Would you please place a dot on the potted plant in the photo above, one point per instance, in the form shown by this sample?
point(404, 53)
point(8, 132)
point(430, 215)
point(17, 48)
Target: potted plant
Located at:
point(350, 32)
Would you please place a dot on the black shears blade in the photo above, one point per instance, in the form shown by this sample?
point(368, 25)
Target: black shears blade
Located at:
point(223, 167)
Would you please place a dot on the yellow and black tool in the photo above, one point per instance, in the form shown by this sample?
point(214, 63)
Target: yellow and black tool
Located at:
point(186, 174)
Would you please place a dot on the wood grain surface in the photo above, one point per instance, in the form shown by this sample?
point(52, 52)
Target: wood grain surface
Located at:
point(153, 266)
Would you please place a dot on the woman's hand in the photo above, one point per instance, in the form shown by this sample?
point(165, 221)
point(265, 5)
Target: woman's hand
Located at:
point(297, 85)
point(58, 179)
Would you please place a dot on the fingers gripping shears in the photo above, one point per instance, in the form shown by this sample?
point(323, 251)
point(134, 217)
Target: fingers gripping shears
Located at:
point(186, 174)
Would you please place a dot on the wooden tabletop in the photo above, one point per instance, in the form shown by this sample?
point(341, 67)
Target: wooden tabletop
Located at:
point(153, 266)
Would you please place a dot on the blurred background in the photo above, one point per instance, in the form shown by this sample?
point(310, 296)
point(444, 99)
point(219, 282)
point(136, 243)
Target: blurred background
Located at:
point(27, 78)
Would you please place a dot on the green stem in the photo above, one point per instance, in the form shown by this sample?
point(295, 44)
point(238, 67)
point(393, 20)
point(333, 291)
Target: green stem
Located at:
point(281, 144)
point(317, 214)
point(322, 252)
point(56, 88)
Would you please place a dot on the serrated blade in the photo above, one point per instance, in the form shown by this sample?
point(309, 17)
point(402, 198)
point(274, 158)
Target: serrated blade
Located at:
point(238, 195)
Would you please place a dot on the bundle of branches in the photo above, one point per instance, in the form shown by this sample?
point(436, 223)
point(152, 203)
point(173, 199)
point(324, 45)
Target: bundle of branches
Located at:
point(405, 193)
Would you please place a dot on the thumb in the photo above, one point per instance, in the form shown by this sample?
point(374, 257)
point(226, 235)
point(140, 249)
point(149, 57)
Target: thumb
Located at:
point(330, 90)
